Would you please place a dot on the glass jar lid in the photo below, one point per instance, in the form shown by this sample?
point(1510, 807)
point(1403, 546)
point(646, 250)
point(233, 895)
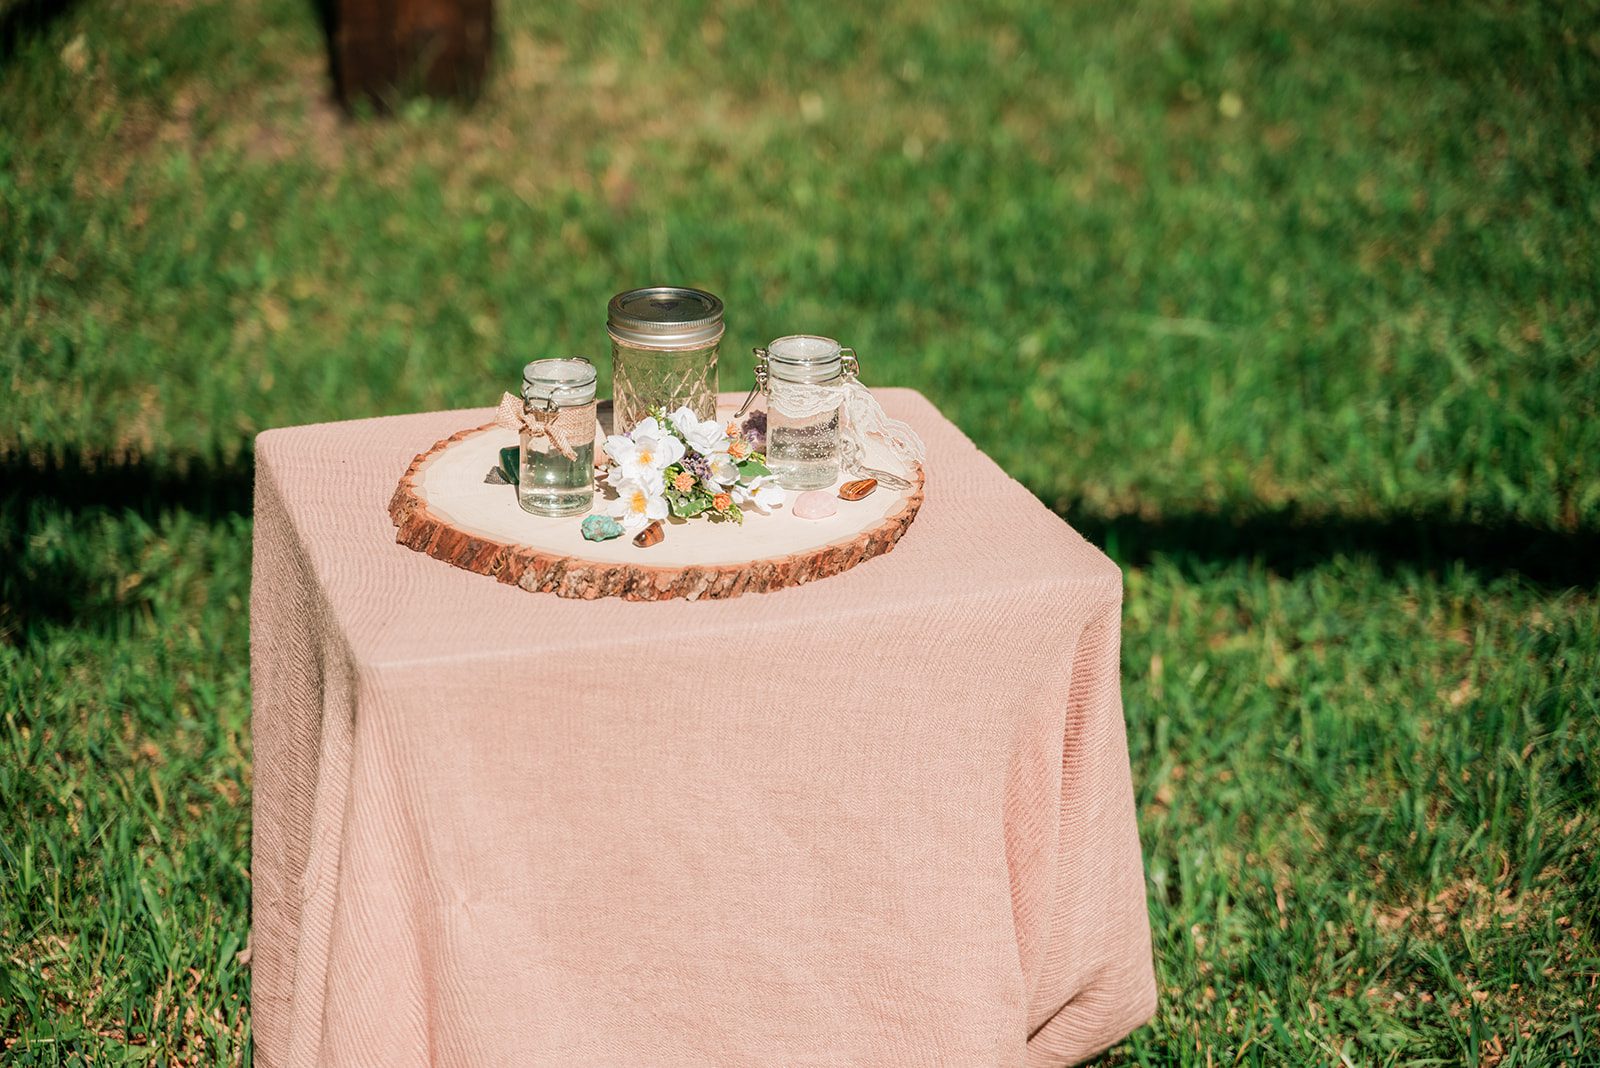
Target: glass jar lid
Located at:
point(665, 317)
point(804, 358)
point(565, 383)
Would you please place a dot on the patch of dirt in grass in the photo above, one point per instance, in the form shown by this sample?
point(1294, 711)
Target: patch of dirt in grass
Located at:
point(1469, 905)
point(1562, 990)
point(317, 129)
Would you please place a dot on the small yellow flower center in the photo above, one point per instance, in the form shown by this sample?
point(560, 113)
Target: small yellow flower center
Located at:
point(646, 456)
point(639, 502)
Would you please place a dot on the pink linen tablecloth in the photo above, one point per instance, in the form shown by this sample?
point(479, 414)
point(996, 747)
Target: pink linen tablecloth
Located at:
point(885, 818)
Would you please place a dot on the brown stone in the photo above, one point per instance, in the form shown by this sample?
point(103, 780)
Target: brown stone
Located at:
point(854, 491)
point(650, 535)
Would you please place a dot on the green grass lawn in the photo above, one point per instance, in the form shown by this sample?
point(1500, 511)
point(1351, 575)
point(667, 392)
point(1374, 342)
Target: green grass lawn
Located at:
point(1294, 307)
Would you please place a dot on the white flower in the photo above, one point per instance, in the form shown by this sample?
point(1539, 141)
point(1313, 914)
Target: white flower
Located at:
point(643, 454)
point(684, 419)
point(704, 437)
point(720, 470)
point(762, 494)
point(638, 503)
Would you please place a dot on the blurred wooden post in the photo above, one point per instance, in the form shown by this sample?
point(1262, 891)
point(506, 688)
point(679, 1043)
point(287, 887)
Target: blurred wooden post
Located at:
point(384, 50)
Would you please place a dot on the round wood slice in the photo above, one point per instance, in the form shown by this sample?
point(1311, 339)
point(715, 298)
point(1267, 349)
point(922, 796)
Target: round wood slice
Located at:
point(443, 507)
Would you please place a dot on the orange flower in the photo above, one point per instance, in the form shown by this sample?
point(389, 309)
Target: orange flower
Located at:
point(684, 482)
point(722, 502)
point(739, 448)
point(732, 428)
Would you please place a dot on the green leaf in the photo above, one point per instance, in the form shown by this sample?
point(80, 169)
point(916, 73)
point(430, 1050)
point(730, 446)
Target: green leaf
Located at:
point(689, 507)
point(511, 462)
point(752, 468)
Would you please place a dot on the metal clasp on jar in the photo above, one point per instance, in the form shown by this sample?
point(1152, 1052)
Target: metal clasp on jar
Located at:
point(550, 404)
point(850, 367)
point(762, 381)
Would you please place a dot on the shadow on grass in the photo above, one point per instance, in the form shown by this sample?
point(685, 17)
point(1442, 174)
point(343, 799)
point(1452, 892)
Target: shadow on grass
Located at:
point(1289, 540)
point(62, 587)
point(73, 483)
point(26, 19)
point(47, 579)
point(327, 13)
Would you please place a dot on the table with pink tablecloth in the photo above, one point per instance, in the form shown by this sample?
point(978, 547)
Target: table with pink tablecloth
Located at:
point(883, 818)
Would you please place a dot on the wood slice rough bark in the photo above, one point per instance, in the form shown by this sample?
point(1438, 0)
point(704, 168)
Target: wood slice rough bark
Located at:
point(540, 571)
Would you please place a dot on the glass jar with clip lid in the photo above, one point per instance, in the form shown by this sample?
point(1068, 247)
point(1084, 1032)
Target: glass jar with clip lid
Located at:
point(556, 425)
point(802, 376)
point(819, 415)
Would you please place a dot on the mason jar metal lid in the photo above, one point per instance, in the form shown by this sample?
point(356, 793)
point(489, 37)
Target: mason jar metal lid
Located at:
point(665, 317)
point(804, 358)
point(566, 382)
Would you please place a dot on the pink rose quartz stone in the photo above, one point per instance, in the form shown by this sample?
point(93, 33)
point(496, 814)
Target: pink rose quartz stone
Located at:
point(813, 504)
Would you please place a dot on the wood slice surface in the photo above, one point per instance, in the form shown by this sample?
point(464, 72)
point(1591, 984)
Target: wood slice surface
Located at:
point(443, 508)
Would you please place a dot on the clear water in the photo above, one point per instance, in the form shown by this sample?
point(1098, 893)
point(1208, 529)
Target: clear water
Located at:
point(552, 485)
point(643, 379)
point(804, 455)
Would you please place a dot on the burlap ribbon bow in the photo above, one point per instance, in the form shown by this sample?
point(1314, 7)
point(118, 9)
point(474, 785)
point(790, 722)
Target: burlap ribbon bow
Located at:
point(556, 425)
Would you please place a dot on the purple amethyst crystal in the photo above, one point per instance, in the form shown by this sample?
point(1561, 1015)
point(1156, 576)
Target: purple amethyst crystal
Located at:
point(755, 430)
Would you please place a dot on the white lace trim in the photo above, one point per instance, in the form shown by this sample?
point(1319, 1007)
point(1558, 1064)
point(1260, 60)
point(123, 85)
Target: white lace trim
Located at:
point(860, 416)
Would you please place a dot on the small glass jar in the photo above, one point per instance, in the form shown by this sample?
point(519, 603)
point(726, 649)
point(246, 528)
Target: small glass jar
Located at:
point(556, 476)
point(803, 377)
point(664, 342)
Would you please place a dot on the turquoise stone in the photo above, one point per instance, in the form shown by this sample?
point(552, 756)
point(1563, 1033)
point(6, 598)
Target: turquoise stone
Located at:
point(601, 528)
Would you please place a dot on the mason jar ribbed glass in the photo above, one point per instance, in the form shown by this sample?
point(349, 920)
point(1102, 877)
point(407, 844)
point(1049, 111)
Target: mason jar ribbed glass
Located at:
point(804, 375)
point(559, 395)
point(664, 342)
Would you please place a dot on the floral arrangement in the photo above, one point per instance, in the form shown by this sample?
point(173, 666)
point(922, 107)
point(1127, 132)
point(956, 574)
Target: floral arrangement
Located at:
point(681, 465)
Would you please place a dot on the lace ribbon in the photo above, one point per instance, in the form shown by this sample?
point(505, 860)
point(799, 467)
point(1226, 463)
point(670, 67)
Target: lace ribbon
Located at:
point(860, 415)
point(559, 426)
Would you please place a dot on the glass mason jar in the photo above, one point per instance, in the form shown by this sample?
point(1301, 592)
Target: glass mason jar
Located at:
point(556, 475)
point(803, 376)
point(664, 342)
